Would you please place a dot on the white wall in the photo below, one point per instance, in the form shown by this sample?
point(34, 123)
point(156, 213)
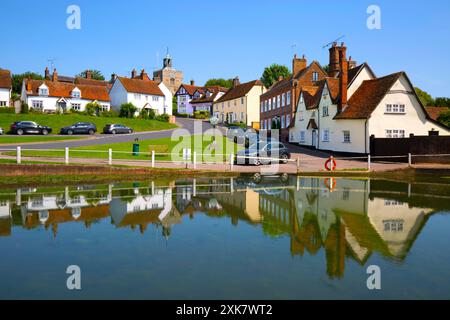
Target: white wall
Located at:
point(412, 121)
point(363, 75)
point(168, 96)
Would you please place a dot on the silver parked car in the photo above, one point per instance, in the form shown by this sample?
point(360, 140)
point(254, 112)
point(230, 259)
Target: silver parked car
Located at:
point(1, 131)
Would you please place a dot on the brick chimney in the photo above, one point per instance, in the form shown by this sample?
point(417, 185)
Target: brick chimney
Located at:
point(133, 73)
point(298, 64)
point(236, 82)
point(113, 78)
point(334, 65)
point(192, 83)
point(55, 76)
point(47, 74)
point(88, 74)
point(343, 79)
point(144, 75)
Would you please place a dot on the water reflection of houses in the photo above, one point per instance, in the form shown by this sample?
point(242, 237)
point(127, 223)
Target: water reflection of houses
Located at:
point(50, 210)
point(5, 218)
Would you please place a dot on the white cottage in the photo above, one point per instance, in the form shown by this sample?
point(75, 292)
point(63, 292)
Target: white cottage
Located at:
point(51, 96)
point(5, 88)
point(142, 93)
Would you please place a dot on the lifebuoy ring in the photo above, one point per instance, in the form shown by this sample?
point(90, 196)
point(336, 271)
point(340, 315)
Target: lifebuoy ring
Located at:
point(330, 183)
point(330, 164)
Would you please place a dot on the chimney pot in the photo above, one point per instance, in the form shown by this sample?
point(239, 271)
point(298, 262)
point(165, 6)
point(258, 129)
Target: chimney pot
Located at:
point(88, 74)
point(192, 83)
point(236, 82)
point(47, 74)
point(133, 73)
point(113, 77)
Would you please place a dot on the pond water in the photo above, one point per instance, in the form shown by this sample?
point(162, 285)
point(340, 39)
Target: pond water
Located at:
point(241, 238)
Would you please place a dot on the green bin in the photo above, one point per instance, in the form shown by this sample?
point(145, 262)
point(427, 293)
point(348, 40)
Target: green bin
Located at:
point(135, 149)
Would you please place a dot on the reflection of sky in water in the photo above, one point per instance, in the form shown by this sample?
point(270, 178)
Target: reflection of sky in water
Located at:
point(227, 238)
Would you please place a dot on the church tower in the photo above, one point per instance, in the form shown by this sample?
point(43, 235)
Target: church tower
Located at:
point(168, 75)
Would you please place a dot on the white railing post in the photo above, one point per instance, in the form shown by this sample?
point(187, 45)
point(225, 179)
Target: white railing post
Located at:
point(66, 158)
point(195, 159)
point(298, 164)
point(194, 187)
point(369, 163)
point(110, 156)
point(232, 185)
point(153, 158)
point(409, 159)
point(231, 161)
point(19, 155)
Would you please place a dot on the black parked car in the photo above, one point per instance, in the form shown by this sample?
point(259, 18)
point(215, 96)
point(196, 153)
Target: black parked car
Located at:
point(116, 128)
point(79, 128)
point(29, 127)
point(265, 150)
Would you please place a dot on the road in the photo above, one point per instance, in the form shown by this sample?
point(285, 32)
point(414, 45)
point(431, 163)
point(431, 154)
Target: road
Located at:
point(183, 123)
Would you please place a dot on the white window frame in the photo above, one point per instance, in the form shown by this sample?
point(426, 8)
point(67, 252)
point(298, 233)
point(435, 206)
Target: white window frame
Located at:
point(288, 98)
point(302, 136)
point(37, 104)
point(75, 106)
point(282, 122)
point(325, 111)
point(288, 120)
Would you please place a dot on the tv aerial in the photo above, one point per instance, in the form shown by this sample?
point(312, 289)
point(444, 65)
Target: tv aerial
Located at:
point(334, 41)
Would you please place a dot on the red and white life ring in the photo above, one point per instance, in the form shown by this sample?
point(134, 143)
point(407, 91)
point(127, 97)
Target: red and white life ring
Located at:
point(330, 183)
point(330, 164)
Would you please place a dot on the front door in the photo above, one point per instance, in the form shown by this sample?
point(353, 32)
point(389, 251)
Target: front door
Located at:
point(62, 106)
point(314, 138)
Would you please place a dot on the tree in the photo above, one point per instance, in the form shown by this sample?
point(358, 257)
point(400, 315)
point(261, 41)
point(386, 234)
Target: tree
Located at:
point(127, 110)
point(272, 73)
point(219, 82)
point(442, 102)
point(424, 97)
point(93, 108)
point(17, 80)
point(326, 68)
point(96, 75)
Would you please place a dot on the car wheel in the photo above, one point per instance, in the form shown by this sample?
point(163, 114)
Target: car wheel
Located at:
point(284, 158)
point(130, 131)
point(257, 162)
point(70, 132)
point(114, 132)
point(20, 132)
point(91, 132)
point(44, 132)
point(284, 177)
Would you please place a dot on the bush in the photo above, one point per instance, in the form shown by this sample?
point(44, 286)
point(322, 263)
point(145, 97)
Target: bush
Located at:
point(238, 124)
point(148, 114)
point(163, 117)
point(7, 110)
point(92, 108)
point(444, 118)
point(201, 115)
point(127, 110)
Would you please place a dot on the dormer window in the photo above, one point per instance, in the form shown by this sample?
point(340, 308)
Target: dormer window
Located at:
point(76, 93)
point(43, 90)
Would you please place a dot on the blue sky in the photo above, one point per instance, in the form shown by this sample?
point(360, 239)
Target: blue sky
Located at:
point(226, 38)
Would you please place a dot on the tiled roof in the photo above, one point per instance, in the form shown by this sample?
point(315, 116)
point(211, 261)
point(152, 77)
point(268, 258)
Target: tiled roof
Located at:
point(141, 86)
point(313, 94)
point(368, 96)
point(435, 112)
point(240, 90)
point(63, 89)
point(5, 79)
point(215, 91)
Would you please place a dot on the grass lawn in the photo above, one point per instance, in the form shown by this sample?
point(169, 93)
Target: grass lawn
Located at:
point(196, 143)
point(27, 139)
point(57, 121)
